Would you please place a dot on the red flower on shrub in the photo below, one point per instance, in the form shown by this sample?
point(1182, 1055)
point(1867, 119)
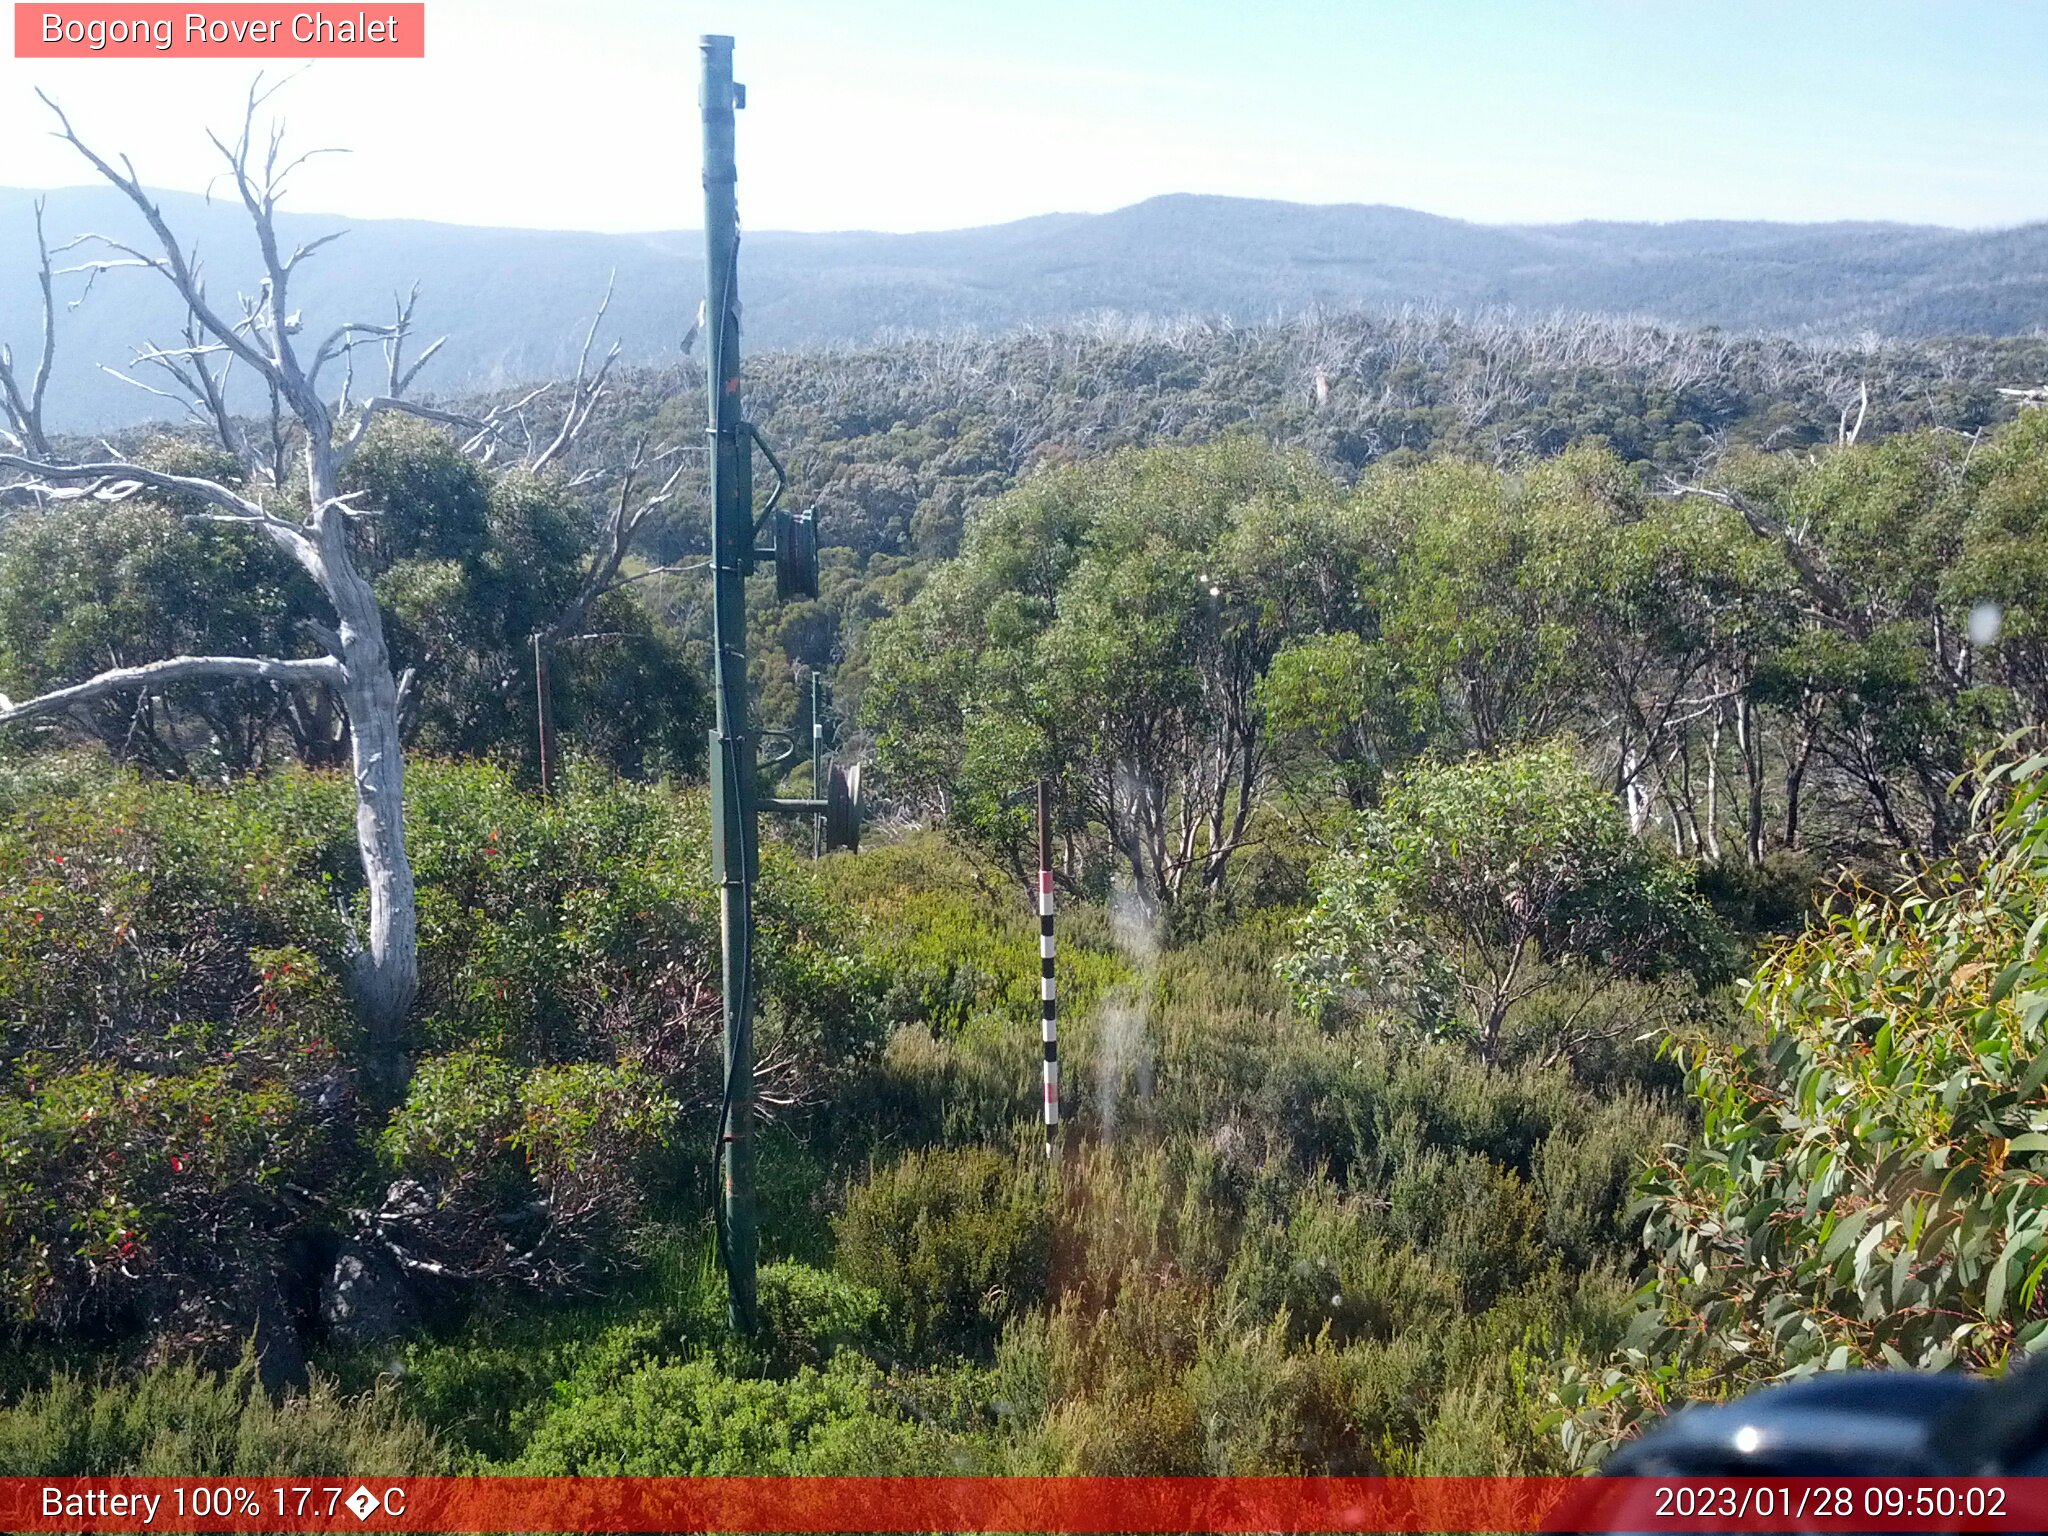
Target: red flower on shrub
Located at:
point(177, 1163)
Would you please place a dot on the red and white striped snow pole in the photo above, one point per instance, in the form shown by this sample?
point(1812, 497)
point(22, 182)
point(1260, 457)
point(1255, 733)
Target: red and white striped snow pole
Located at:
point(1047, 988)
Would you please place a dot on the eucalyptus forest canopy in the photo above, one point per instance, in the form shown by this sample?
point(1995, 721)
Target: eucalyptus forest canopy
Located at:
point(1493, 765)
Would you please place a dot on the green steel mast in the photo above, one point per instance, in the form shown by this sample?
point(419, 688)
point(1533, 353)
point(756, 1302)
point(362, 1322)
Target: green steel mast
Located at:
point(736, 799)
point(735, 858)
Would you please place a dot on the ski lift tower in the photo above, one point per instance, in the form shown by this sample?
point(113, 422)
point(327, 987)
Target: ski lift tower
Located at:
point(737, 531)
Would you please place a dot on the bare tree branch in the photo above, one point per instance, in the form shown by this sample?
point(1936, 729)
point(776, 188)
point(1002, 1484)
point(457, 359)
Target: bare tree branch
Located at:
point(209, 390)
point(379, 405)
point(404, 380)
point(329, 641)
point(25, 407)
point(174, 264)
point(182, 402)
point(179, 669)
point(115, 479)
point(681, 567)
point(585, 389)
point(259, 197)
point(342, 340)
point(301, 251)
point(1766, 524)
point(1847, 432)
point(398, 376)
point(622, 525)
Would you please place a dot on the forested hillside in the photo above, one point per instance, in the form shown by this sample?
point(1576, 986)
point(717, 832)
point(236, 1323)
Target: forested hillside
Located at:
point(895, 444)
point(1502, 777)
point(507, 298)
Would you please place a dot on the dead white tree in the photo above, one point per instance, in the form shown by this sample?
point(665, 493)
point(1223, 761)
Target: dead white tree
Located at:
point(307, 518)
point(635, 499)
point(23, 406)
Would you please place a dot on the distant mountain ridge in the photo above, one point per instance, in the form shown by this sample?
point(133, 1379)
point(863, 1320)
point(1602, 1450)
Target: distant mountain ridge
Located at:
point(513, 302)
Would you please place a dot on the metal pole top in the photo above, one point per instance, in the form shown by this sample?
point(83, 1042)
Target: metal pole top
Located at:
point(720, 93)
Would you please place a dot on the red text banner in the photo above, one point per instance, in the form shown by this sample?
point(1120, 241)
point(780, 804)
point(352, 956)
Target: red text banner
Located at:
point(1063, 1504)
point(226, 31)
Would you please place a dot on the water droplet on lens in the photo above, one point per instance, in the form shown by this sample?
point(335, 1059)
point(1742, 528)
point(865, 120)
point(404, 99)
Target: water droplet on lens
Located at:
point(1986, 619)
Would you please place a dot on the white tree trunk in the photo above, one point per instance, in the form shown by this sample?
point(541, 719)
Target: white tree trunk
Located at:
point(384, 964)
point(387, 967)
point(384, 968)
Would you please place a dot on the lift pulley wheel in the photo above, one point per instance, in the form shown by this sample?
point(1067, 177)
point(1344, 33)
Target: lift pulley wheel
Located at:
point(796, 554)
point(842, 808)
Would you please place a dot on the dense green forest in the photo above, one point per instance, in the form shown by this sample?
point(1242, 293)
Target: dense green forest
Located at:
point(1552, 862)
point(894, 443)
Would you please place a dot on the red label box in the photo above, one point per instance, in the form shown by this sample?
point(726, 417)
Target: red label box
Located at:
point(1081, 1506)
point(377, 30)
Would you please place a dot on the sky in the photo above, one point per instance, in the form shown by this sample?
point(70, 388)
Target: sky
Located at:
point(935, 114)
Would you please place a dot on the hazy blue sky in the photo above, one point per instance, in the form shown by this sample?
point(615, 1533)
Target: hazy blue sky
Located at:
point(920, 114)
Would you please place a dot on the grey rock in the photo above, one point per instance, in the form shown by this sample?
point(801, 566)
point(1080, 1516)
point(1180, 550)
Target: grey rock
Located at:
point(365, 1299)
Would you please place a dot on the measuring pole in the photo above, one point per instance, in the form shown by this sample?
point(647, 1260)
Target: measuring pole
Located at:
point(543, 709)
point(1048, 1006)
point(817, 760)
point(733, 849)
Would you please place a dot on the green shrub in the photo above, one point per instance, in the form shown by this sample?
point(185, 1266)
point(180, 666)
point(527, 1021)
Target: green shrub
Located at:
point(973, 1085)
point(1432, 1098)
point(1267, 1409)
point(481, 1396)
point(584, 927)
point(128, 1184)
point(1394, 1384)
point(178, 1117)
point(1585, 1184)
point(1472, 1434)
point(954, 1242)
point(181, 1421)
point(692, 1420)
point(174, 1051)
point(126, 910)
point(460, 1113)
point(956, 941)
point(1154, 1434)
point(808, 1315)
point(570, 1146)
point(1773, 899)
point(1103, 1384)
point(875, 1446)
point(1474, 1218)
point(1475, 883)
point(1331, 1266)
point(125, 1190)
point(1866, 1188)
point(485, 1381)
